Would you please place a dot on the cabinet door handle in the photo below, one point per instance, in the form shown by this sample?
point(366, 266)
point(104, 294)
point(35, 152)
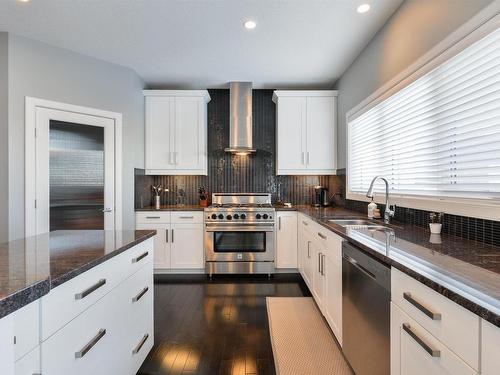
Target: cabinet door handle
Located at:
point(139, 296)
point(431, 314)
point(172, 236)
point(170, 157)
point(140, 257)
point(93, 288)
point(323, 264)
point(319, 262)
point(432, 352)
point(302, 157)
point(308, 249)
point(305, 223)
point(307, 154)
point(186, 217)
point(141, 343)
point(90, 344)
point(279, 223)
point(152, 217)
point(166, 230)
point(175, 157)
point(322, 235)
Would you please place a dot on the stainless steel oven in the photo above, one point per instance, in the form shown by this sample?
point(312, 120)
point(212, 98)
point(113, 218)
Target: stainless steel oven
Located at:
point(239, 238)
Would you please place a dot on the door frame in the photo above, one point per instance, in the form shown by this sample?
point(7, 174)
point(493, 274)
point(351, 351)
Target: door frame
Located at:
point(31, 104)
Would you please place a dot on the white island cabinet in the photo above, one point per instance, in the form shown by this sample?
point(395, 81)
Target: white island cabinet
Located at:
point(306, 132)
point(99, 322)
point(490, 349)
point(176, 132)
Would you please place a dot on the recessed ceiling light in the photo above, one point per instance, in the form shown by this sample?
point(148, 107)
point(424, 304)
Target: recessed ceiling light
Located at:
point(363, 8)
point(24, 1)
point(250, 24)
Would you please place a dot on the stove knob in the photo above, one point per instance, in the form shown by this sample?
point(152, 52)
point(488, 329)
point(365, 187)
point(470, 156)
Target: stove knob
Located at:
point(221, 216)
point(236, 216)
point(243, 216)
point(265, 216)
point(258, 216)
point(214, 216)
point(229, 217)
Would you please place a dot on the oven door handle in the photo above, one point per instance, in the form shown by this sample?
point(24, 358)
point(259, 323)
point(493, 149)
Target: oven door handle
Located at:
point(240, 228)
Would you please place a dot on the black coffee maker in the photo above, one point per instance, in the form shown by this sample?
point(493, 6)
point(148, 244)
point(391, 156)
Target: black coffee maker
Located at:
point(321, 196)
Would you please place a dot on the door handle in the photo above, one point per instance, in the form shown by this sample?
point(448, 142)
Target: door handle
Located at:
point(319, 262)
point(172, 236)
point(141, 293)
point(90, 344)
point(432, 352)
point(302, 157)
point(322, 235)
point(141, 343)
point(186, 217)
point(323, 264)
point(175, 158)
point(359, 266)
point(279, 223)
point(93, 288)
point(308, 249)
point(307, 155)
point(140, 257)
point(305, 223)
point(431, 314)
point(107, 209)
point(170, 161)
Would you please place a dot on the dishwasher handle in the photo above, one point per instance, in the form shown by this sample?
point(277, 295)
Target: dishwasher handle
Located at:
point(355, 263)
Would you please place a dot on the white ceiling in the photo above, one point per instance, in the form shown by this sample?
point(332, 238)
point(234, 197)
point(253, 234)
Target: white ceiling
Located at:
point(202, 43)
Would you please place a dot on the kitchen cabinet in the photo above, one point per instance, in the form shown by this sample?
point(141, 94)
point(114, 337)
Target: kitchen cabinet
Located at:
point(179, 242)
point(7, 345)
point(176, 132)
point(306, 132)
point(490, 349)
point(318, 278)
point(414, 351)
point(286, 239)
point(304, 249)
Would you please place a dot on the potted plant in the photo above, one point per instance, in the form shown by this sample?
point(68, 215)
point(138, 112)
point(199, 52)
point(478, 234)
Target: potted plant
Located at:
point(436, 222)
point(157, 190)
point(203, 195)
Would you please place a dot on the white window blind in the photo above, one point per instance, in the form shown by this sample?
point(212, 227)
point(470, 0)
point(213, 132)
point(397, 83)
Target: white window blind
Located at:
point(440, 135)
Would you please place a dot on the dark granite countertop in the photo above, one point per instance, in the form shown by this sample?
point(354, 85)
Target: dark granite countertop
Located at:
point(30, 267)
point(172, 207)
point(465, 271)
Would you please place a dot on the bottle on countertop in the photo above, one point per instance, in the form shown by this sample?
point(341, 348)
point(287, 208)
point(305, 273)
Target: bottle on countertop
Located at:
point(371, 209)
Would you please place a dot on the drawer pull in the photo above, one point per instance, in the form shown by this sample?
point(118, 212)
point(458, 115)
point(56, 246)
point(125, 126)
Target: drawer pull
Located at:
point(141, 343)
point(141, 293)
point(93, 288)
point(322, 235)
point(432, 352)
point(153, 217)
point(434, 316)
point(91, 343)
point(186, 217)
point(140, 257)
point(305, 223)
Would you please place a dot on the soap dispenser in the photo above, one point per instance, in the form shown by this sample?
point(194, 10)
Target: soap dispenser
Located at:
point(371, 209)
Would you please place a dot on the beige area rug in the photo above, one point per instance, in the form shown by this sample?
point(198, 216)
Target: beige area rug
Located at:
point(302, 342)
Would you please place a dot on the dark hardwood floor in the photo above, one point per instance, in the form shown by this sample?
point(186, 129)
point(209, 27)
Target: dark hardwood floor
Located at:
point(216, 327)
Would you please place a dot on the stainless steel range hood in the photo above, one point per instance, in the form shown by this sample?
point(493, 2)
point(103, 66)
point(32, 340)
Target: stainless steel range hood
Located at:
point(240, 121)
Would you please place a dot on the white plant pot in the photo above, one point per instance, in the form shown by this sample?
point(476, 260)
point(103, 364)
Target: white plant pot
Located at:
point(435, 227)
point(157, 202)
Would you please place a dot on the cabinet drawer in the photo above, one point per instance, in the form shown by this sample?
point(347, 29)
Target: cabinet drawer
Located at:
point(29, 364)
point(152, 217)
point(86, 345)
point(444, 319)
point(26, 329)
point(415, 351)
point(66, 301)
point(187, 217)
point(305, 223)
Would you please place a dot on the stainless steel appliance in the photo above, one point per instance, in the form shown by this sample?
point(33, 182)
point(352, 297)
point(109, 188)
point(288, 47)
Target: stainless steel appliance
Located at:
point(240, 234)
point(366, 295)
point(320, 196)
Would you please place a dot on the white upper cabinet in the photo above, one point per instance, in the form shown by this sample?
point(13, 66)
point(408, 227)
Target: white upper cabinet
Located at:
point(176, 132)
point(306, 132)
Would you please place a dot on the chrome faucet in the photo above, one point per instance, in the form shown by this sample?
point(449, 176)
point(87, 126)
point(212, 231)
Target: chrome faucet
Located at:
point(389, 209)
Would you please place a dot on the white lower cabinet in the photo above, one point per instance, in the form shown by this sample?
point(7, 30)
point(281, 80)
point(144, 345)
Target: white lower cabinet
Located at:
point(179, 241)
point(29, 364)
point(490, 349)
point(414, 351)
point(286, 239)
point(320, 264)
point(7, 345)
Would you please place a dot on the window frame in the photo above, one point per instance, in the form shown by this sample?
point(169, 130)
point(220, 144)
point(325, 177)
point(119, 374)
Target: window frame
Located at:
point(481, 25)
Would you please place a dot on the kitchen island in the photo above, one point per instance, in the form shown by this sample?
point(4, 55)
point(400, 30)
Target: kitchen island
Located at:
point(68, 300)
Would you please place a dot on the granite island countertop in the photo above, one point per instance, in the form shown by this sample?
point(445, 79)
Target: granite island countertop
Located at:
point(171, 207)
point(465, 271)
point(30, 267)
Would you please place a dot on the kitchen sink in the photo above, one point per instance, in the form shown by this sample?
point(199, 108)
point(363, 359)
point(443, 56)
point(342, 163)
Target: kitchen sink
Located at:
point(357, 224)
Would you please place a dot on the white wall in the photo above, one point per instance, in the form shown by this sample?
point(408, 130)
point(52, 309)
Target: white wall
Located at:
point(415, 27)
point(4, 143)
point(47, 72)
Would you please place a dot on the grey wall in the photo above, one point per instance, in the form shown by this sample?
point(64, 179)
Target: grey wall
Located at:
point(43, 71)
point(416, 27)
point(4, 138)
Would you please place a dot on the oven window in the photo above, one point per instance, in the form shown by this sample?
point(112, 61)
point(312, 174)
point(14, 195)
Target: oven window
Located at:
point(239, 242)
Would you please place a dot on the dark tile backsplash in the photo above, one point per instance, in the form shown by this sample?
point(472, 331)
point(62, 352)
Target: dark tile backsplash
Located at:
point(240, 174)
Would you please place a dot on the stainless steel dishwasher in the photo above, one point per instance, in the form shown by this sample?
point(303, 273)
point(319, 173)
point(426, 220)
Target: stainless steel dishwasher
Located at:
point(366, 296)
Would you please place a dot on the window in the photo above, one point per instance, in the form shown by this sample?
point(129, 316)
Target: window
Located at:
point(437, 137)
